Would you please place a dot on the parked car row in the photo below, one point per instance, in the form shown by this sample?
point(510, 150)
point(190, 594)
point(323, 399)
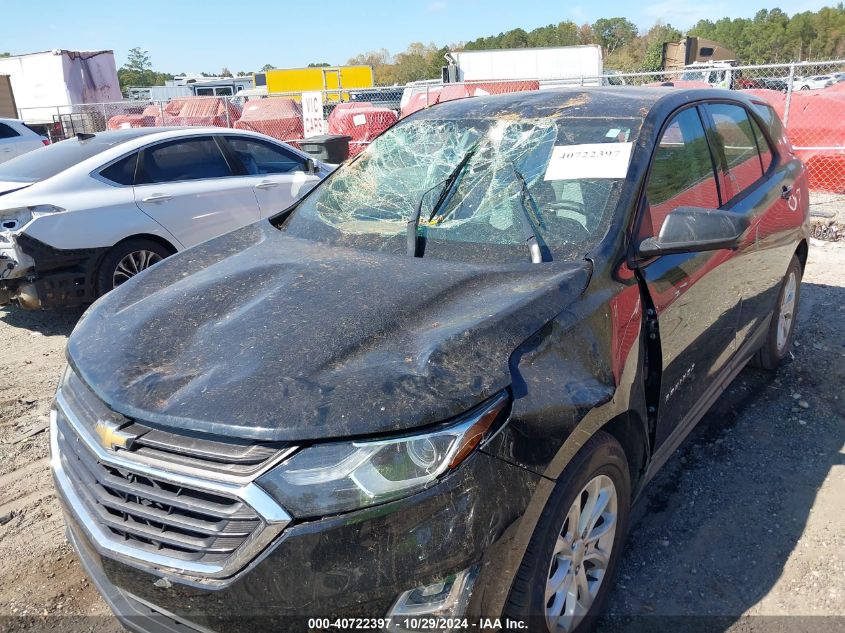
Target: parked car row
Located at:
point(431, 387)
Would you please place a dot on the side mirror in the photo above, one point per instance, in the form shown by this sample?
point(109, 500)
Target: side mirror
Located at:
point(693, 229)
point(310, 166)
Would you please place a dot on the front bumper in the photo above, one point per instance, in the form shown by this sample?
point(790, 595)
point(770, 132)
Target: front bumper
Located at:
point(36, 275)
point(132, 612)
point(353, 565)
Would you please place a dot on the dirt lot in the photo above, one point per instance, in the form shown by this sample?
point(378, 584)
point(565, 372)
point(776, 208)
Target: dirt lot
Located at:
point(742, 527)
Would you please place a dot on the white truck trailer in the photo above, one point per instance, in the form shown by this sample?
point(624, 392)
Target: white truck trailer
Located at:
point(552, 66)
point(46, 83)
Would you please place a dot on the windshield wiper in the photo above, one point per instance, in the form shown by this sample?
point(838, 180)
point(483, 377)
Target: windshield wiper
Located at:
point(414, 221)
point(528, 231)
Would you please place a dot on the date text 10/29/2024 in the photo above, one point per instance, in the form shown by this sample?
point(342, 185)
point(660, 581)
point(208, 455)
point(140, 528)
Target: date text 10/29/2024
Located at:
point(420, 624)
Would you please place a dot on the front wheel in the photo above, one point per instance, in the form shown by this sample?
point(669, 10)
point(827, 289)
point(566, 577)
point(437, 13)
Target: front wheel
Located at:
point(569, 564)
point(126, 260)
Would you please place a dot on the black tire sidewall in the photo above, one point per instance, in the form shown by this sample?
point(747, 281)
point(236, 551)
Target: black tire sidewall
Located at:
point(112, 258)
point(604, 457)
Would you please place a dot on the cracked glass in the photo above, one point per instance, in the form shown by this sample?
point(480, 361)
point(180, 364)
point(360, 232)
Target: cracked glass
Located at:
point(478, 214)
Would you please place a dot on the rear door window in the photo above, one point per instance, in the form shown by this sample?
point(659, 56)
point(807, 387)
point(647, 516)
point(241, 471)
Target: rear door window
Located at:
point(681, 172)
point(123, 171)
point(259, 157)
point(770, 118)
point(187, 159)
point(736, 138)
point(762, 146)
point(6, 131)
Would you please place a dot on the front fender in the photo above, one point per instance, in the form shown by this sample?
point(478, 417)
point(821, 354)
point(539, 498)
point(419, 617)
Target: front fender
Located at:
point(583, 370)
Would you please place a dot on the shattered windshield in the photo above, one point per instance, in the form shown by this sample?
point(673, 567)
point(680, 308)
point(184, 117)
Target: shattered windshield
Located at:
point(477, 182)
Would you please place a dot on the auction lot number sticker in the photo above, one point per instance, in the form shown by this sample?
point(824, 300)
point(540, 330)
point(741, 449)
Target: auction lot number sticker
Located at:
point(589, 160)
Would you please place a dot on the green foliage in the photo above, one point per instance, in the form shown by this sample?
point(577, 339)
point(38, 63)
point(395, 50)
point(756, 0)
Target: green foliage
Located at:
point(128, 78)
point(7, 54)
point(267, 67)
point(319, 65)
point(419, 61)
point(137, 71)
point(772, 36)
point(138, 60)
point(658, 34)
point(561, 34)
point(614, 33)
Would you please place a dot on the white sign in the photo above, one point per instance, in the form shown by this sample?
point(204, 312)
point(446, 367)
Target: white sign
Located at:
point(313, 123)
point(359, 119)
point(590, 160)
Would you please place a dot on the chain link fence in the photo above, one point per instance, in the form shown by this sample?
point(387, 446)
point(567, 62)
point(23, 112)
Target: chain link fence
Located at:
point(809, 97)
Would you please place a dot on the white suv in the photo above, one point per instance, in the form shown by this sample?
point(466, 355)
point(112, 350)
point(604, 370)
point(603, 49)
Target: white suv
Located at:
point(16, 139)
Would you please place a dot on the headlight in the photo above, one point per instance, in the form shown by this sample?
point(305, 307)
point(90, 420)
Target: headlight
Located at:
point(13, 219)
point(342, 476)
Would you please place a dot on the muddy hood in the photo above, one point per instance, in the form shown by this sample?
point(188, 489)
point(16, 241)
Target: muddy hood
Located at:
point(260, 335)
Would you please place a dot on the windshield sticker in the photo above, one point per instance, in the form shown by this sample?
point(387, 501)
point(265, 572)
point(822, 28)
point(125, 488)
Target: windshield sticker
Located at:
point(590, 160)
point(359, 119)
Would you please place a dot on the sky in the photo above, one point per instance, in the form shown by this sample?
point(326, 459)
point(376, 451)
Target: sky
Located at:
point(192, 36)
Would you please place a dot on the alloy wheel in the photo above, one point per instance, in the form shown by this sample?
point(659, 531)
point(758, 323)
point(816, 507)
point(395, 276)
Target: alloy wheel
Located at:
point(132, 264)
point(581, 554)
point(787, 311)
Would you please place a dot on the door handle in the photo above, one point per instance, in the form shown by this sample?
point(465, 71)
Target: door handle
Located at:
point(157, 197)
point(786, 192)
point(267, 184)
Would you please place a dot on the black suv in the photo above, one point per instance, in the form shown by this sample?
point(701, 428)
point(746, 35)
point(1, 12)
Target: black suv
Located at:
point(433, 387)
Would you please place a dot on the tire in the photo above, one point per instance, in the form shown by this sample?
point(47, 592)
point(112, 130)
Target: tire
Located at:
point(130, 256)
point(780, 335)
point(602, 460)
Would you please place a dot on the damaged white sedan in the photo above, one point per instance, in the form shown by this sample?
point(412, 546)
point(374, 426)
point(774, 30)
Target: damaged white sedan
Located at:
point(82, 216)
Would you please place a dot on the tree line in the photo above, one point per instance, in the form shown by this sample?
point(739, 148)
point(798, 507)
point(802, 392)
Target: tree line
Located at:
point(771, 36)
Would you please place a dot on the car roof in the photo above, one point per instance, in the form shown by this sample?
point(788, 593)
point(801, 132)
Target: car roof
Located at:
point(604, 101)
point(138, 137)
point(130, 134)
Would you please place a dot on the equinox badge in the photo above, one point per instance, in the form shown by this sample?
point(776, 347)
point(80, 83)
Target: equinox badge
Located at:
point(111, 437)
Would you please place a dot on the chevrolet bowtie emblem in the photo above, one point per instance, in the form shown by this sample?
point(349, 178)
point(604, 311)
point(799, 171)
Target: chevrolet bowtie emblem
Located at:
point(111, 437)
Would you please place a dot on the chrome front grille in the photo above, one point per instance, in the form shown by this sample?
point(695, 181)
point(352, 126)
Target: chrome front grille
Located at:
point(153, 514)
point(232, 456)
point(151, 508)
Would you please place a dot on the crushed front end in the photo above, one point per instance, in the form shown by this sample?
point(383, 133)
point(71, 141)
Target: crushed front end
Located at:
point(36, 275)
point(176, 533)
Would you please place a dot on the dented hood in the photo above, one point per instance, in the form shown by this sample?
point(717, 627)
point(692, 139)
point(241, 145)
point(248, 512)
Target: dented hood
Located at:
point(262, 335)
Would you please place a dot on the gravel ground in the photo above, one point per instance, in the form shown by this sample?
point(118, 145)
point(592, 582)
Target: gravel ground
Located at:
point(741, 531)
